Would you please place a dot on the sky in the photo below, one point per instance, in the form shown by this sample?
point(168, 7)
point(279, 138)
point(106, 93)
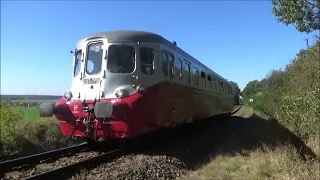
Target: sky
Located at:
point(240, 40)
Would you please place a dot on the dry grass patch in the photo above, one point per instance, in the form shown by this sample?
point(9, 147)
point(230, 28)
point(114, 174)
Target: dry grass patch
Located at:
point(264, 163)
point(245, 112)
point(314, 144)
point(242, 157)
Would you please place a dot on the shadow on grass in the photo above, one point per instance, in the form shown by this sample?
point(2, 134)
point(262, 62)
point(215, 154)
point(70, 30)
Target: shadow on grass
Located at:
point(195, 144)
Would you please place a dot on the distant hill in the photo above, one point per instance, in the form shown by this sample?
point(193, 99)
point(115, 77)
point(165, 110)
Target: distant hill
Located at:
point(30, 97)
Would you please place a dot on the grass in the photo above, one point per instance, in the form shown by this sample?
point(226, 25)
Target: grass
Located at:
point(32, 113)
point(282, 161)
point(263, 163)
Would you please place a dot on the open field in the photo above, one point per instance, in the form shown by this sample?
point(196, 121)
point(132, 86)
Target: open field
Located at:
point(37, 100)
point(29, 97)
point(29, 103)
point(32, 113)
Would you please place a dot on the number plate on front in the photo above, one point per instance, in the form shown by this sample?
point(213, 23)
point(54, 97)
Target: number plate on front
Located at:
point(91, 81)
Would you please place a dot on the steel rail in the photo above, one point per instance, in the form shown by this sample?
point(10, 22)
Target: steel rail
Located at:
point(36, 158)
point(70, 169)
point(231, 113)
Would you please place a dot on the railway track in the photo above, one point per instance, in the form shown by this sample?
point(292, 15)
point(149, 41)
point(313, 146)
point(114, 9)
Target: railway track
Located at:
point(68, 170)
point(56, 163)
point(63, 162)
point(37, 158)
point(235, 111)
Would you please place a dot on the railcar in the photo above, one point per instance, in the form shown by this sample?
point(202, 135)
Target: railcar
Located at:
point(127, 83)
point(241, 100)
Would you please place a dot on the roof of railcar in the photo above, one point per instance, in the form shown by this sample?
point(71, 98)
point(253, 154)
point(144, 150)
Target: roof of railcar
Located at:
point(142, 36)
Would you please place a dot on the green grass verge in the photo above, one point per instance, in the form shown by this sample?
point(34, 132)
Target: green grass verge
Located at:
point(32, 113)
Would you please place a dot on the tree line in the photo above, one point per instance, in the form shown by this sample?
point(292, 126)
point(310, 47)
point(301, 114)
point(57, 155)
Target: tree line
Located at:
point(292, 95)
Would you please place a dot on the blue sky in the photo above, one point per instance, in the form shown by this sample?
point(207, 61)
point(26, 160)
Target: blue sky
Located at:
point(240, 40)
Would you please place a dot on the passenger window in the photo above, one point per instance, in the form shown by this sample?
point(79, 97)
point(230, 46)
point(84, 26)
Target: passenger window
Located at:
point(195, 73)
point(209, 82)
point(171, 65)
point(178, 68)
point(168, 64)
point(164, 63)
point(147, 60)
point(203, 75)
point(187, 71)
point(222, 87)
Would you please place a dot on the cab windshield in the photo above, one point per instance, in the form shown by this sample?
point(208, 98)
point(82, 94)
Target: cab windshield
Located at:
point(121, 59)
point(77, 62)
point(94, 58)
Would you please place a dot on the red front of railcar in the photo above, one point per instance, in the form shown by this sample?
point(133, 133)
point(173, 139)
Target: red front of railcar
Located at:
point(130, 116)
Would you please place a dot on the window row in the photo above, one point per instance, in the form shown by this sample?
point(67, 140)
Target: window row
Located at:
point(121, 59)
point(174, 67)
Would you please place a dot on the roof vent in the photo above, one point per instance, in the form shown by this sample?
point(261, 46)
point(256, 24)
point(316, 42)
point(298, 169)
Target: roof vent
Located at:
point(175, 43)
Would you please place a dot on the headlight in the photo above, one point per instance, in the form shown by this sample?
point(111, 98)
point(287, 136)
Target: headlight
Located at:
point(120, 93)
point(67, 95)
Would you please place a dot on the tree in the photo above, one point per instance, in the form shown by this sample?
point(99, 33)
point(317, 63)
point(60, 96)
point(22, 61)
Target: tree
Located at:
point(303, 14)
point(236, 86)
point(252, 88)
point(237, 91)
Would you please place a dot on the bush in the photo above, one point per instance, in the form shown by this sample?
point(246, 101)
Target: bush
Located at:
point(20, 137)
point(292, 95)
point(10, 116)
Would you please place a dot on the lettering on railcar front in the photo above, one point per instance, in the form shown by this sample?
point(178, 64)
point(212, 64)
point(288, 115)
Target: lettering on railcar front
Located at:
point(90, 81)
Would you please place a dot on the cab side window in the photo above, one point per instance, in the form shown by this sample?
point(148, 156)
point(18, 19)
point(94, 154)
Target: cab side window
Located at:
point(147, 60)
